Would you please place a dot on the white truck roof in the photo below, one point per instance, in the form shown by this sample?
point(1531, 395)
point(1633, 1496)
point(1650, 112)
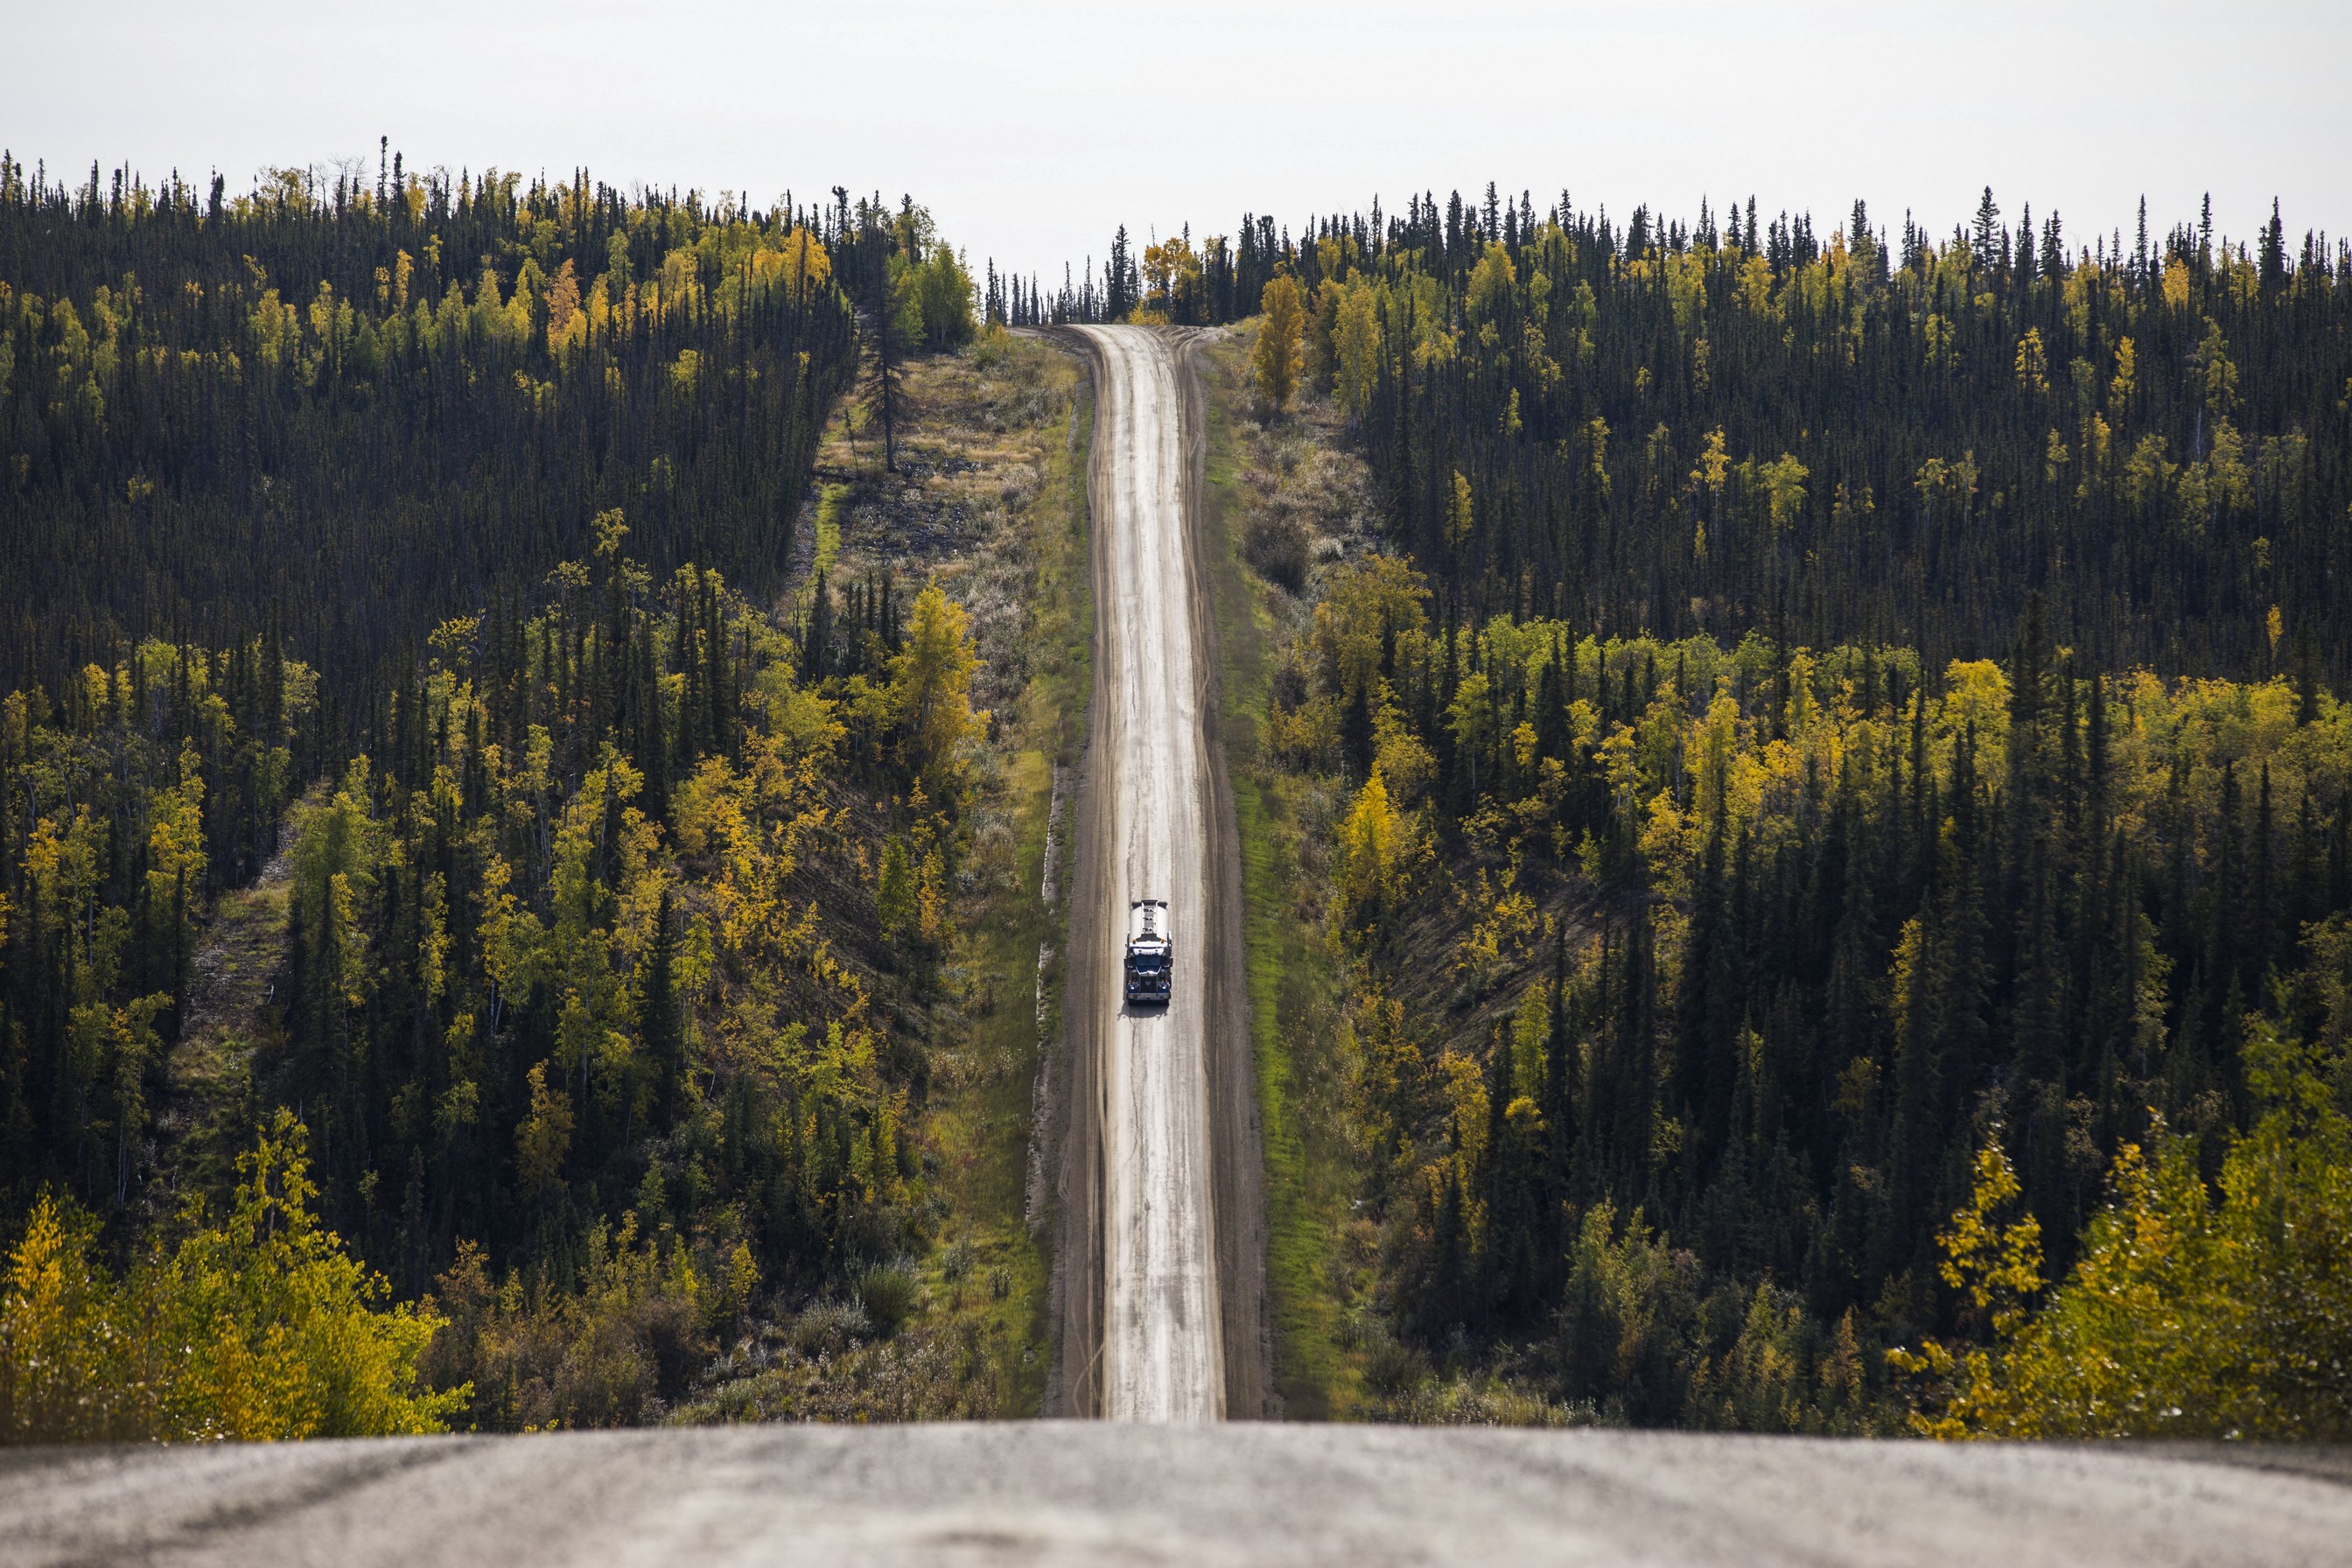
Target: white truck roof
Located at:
point(1147, 920)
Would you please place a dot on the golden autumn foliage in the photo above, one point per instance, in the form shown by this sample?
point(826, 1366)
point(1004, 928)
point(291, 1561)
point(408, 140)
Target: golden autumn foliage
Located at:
point(2187, 1315)
point(1356, 346)
point(1372, 851)
point(257, 1325)
point(930, 682)
point(1279, 354)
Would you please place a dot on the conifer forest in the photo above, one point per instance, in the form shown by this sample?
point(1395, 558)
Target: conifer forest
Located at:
point(405, 546)
point(1806, 759)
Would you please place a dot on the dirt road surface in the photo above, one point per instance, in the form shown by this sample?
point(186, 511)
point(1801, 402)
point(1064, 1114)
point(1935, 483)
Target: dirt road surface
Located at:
point(1062, 1492)
point(1147, 1241)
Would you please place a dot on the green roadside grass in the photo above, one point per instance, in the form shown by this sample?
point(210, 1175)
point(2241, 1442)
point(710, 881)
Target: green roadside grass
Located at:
point(830, 502)
point(1292, 977)
point(991, 1268)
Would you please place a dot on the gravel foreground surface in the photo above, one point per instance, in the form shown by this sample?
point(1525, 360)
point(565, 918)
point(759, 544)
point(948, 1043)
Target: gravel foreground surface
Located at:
point(1084, 1492)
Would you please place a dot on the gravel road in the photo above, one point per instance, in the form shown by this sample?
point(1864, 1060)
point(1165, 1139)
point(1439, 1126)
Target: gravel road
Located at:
point(1240, 1493)
point(1162, 1356)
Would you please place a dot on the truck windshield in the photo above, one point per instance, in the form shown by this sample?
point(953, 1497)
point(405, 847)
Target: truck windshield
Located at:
point(1147, 962)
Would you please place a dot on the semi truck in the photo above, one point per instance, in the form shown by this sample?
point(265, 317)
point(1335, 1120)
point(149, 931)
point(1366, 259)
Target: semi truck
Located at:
point(1150, 953)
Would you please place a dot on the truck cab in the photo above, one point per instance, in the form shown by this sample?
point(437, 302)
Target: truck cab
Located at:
point(1150, 953)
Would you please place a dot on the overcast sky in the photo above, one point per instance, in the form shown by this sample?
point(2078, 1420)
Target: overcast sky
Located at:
point(1031, 128)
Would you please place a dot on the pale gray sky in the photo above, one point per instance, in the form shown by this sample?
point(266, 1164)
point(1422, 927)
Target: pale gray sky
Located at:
point(1032, 127)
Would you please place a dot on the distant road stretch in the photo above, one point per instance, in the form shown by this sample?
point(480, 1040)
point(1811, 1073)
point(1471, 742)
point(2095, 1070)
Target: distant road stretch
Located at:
point(1162, 1352)
point(1070, 1493)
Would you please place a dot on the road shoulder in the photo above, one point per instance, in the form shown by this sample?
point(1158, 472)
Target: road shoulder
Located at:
point(1075, 1122)
point(1237, 1146)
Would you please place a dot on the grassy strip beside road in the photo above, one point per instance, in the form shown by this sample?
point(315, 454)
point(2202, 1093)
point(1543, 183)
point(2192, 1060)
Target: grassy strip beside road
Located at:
point(993, 1265)
point(1301, 1077)
point(1014, 946)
